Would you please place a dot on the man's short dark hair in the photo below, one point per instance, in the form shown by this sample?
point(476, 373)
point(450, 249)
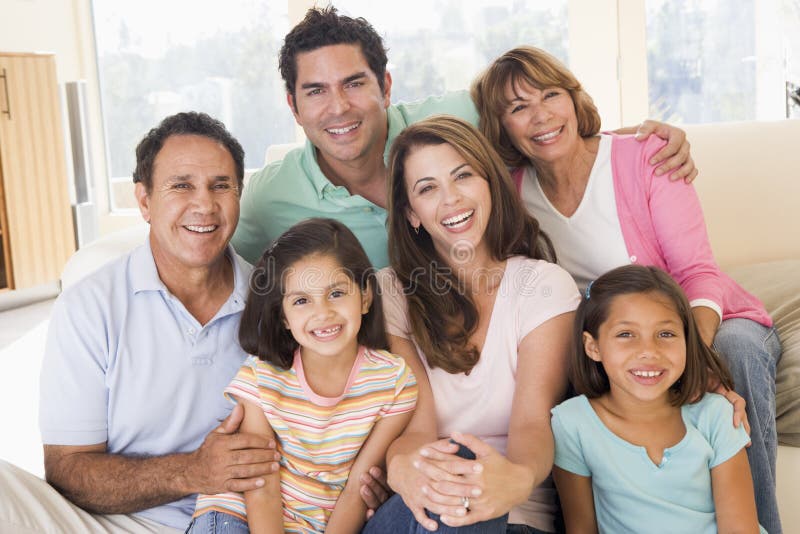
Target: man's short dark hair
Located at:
point(186, 123)
point(325, 27)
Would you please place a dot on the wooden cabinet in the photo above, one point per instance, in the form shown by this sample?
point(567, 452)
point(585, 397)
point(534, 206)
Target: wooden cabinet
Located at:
point(36, 226)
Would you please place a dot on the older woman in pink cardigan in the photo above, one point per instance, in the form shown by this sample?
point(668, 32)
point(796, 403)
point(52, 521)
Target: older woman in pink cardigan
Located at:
point(599, 199)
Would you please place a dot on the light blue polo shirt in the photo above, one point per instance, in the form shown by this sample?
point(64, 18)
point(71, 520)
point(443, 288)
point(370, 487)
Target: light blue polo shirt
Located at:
point(125, 363)
point(631, 493)
point(288, 191)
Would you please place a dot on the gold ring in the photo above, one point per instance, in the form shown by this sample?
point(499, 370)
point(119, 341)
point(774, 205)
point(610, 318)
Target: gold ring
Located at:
point(465, 503)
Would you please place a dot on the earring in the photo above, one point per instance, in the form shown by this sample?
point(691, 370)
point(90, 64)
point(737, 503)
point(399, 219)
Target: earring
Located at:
point(416, 230)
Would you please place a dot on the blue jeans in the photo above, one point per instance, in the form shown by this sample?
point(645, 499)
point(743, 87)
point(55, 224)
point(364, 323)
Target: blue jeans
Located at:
point(396, 518)
point(752, 352)
point(389, 521)
point(217, 523)
point(524, 529)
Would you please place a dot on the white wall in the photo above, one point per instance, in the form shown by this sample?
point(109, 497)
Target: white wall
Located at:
point(64, 27)
point(43, 26)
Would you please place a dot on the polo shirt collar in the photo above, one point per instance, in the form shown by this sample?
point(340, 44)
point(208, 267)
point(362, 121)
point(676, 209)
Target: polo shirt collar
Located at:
point(144, 274)
point(312, 170)
point(396, 124)
point(241, 279)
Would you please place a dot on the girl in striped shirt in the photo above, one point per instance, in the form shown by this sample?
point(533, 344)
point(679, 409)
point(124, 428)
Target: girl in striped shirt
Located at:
point(319, 382)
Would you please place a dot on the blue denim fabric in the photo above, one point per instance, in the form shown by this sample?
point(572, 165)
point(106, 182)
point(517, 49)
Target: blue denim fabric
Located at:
point(752, 352)
point(217, 523)
point(524, 529)
point(395, 517)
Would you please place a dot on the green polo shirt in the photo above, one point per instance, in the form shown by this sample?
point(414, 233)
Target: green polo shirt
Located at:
point(288, 191)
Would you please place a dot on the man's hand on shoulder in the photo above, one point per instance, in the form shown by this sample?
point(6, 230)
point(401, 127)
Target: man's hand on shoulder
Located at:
point(231, 461)
point(675, 158)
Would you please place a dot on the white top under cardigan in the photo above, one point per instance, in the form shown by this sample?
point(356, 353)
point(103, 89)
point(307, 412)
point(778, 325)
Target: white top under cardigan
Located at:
point(590, 242)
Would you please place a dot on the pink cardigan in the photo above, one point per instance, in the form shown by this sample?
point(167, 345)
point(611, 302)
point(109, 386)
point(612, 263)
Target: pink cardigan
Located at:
point(662, 224)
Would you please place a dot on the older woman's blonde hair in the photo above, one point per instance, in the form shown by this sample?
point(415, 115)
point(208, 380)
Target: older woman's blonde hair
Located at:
point(538, 69)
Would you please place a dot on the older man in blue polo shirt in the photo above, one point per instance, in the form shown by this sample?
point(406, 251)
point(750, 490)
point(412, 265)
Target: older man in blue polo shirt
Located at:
point(338, 89)
point(138, 355)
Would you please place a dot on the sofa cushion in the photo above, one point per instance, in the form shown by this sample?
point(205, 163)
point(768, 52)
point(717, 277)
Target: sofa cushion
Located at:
point(777, 284)
point(94, 255)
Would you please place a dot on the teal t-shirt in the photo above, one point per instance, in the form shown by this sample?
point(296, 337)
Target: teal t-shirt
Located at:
point(631, 493)
point(288, 191)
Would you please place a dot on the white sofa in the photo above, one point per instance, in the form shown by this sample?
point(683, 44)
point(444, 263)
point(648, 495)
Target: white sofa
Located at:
point(749, 186)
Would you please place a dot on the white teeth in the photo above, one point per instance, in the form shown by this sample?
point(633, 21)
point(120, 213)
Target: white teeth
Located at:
point(201, 229)
point(454, 221)
point(647, 374)
point(548, 136)
point(327, 332)
point(339, 131)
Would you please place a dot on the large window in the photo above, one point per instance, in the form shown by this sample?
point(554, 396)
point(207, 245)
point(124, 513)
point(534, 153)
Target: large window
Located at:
point(722, 60)
point(156, 58)
point(440, 45)
point(705, 60)
point(160, 57)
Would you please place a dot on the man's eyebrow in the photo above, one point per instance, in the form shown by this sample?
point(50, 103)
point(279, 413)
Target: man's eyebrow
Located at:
point(354, 77)
point(348, 79)
point(312, 85)
point(178, 178)
point(188, 177)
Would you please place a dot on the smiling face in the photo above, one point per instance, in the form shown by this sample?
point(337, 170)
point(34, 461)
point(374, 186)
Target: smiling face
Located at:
point(193, 206)
point(322, 306)
point(340, 104)
point(449, 199)
point(641, 346)
point(541, 123)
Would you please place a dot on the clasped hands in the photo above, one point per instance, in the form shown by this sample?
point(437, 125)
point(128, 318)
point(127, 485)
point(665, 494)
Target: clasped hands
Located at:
point(460, 491)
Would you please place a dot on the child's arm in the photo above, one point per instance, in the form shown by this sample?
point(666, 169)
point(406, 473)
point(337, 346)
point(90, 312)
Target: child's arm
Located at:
point(264, 505)
point(577, 501)
point(350, 510)
point(734, 500)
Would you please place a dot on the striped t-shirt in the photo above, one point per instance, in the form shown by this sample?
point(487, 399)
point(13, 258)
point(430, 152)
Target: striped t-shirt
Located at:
point(317, 437)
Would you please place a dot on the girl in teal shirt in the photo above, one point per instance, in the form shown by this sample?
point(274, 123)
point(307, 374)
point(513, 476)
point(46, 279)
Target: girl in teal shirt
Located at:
point(643, 448)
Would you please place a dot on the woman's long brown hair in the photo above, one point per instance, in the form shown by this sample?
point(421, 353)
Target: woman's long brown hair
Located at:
point(443, 317)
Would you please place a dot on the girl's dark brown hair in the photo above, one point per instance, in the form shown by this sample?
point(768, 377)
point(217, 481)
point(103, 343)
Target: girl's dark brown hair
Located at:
point(538, 69)
point(262, 331)
point(443, 318)
point(588, 376)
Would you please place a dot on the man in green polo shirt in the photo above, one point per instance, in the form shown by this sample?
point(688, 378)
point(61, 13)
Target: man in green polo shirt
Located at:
point(338, 89)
